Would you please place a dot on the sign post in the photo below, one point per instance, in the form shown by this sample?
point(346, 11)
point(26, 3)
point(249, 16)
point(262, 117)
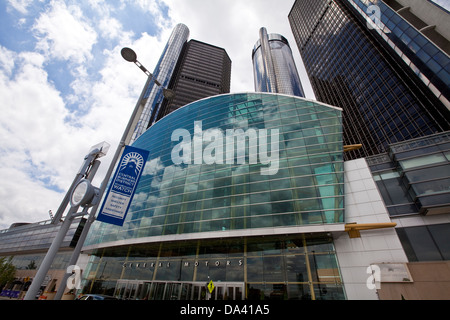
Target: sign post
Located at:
point(211, 287)
point(123, 185)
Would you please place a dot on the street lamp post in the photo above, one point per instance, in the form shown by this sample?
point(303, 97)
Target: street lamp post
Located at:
point(81, 193)
point(130, 56)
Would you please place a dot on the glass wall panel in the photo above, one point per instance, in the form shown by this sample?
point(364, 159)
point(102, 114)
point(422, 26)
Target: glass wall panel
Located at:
point(273, 267)
point(426, 243)
point(423, 161)
point(441, 236)
point(235, 168)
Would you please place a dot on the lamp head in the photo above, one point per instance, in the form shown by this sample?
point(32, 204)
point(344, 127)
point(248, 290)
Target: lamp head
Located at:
point(129, 54)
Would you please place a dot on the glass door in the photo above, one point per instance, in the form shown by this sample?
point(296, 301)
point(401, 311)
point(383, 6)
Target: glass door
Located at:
point(144, 291)
point(128, 290)
point(131, 291)
point(120, 289)
point(172, 291)
point(186, 291)
point(228, 291)
point(157, 291)
point(140, 290)
point(199, 291)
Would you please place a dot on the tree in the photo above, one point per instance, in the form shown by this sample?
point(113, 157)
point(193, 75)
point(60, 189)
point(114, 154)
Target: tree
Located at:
point(7, 271)
point(31, 265)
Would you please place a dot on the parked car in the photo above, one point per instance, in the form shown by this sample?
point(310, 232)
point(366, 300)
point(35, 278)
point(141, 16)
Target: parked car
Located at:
point(95, 297)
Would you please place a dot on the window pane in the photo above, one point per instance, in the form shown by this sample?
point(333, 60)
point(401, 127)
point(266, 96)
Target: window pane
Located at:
point(428, 173)
point(422, 244)
point(431, 187)
point(396, 191)
point(441, 235)
point(421, 161)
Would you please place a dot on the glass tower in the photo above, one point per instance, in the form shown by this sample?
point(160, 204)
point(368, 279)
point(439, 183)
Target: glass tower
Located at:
point(203, 70)
point(391, 81)
point(163, 73)
point(274, 67)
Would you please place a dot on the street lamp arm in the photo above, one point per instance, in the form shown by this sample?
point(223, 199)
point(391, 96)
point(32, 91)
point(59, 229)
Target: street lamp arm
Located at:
point(129, 55)
point(148, 73)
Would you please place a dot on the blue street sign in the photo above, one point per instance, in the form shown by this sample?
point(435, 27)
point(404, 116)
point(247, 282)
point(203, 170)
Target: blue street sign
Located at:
point(121, 191)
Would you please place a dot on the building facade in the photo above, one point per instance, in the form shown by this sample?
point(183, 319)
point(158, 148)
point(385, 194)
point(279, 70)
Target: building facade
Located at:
point(312, 227)
point(369, 58)
point(27, 245)
point(192, 69)
point(153, 97)
point(413, 178)
point(258, 227)
point(203, 70)
point(274, 68)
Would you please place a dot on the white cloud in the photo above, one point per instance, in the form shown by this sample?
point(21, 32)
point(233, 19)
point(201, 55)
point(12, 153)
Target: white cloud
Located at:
point(40, 150)
point(111, 28)
point(20, 5)
point(6, 60)
point(31, 120)
point(27, 201)
point(152, 7)
point(64, 34)
point(234, 25)
point(42, 142)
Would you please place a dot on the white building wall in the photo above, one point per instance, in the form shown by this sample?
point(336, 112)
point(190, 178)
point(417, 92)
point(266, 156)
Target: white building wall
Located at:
point(363, 204)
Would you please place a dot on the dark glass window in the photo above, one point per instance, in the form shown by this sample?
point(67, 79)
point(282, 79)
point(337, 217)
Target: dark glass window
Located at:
point(441, 236)
point(392, 189)
point(426, 243)
point(428, 173)
point(349, 70)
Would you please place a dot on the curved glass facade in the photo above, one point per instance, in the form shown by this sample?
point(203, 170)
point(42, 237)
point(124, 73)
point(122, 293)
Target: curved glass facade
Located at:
point(302, 185)
point(222, 173)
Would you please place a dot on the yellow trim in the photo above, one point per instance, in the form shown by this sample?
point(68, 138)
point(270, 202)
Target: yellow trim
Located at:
point(352, 147)
point(354, 228)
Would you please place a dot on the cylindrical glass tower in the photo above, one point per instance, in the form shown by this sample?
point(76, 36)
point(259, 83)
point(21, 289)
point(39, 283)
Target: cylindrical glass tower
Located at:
point(274, 67)
point(163, 73)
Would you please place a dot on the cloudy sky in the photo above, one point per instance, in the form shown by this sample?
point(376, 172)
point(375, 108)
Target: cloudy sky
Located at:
point(64, 86)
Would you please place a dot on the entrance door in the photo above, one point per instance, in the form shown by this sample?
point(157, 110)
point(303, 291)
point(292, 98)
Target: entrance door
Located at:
point(155, 290)
point(228, 291)
point(144, 291)
point(199, 291)
point(172, 291)
point(186, 291)
point(128, 290)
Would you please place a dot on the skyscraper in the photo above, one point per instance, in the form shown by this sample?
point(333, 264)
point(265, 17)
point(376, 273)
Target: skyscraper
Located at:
point(274, 67)
point(203, 70)
point(153, 97)
point(193, 70)
point(376, 63)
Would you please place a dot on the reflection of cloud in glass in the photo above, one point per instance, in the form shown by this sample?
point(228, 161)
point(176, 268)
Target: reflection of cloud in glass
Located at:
point(143, 200)
point(153, 167)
